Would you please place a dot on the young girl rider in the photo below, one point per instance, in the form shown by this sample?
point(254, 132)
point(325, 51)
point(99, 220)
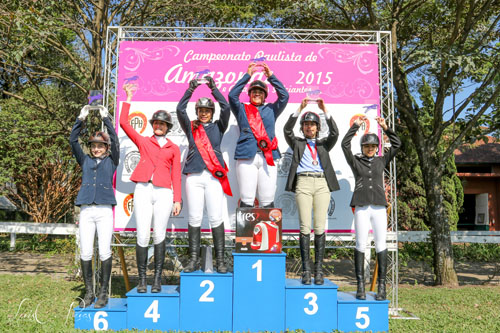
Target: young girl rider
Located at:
point(206, 171)
point(158, 188)
point(369, 199)
point(96, 199)
point(312, 178)
point(257, 146)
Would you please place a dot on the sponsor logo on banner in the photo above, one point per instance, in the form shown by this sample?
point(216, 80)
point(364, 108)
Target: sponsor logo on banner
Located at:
point(131, 160)
point(365, 126)
point(128, 204)
point(138, 121)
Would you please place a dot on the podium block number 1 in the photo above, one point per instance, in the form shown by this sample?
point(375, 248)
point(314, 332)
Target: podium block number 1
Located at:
point(204, 297)
point(314, 306)
point(152, 311)
point(361, 315)
point(258, 266)
point(100, 324)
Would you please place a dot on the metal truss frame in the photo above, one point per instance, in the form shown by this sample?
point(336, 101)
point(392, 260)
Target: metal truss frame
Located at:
point(116, 34)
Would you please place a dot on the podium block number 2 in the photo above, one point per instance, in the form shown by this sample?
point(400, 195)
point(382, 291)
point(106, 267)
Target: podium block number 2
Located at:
point(361, 314)
point(99, 322)
point(204, 297)
point(258, 266)
point(314, 306)
point(152, 311)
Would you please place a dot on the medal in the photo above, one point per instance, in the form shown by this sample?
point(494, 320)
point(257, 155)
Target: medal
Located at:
point(219, 174)
point(263, 144)
point(313, 154)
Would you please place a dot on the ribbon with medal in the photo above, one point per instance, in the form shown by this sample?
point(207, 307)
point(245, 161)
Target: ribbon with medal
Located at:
point(314, 154)
point(257, 126)
point(211, 161)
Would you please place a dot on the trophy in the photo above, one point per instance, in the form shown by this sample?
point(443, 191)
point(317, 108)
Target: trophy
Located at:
point(95, 99)
point(133, 81)
point(312, 95)
point(369, 109)
point(201, 72)
point(259, 63)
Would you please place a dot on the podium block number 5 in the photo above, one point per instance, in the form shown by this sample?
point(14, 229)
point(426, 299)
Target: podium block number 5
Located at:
point(204, 297)
point(258, 266)
point(312, 303)
point(99, 322)
point(152, 311)
point(363, 316)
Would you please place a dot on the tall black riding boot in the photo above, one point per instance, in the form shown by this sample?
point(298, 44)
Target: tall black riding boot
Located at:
point(159, 260)
point(382, 272)
point(88, 299)
point(319, 253)
point(141, 254)
point(102, 298)
point(359, 267)
point(219, 244)
point(305, 248)
point(194, 234)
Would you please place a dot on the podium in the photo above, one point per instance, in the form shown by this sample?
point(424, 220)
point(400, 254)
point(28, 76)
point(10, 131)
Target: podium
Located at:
point(255, 297)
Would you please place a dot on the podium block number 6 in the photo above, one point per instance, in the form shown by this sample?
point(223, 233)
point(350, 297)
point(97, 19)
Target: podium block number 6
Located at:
point(152, 311)
point(204, 297)
point(364, 316)
point(99, 322)
point(312, 303)
point(258, 266)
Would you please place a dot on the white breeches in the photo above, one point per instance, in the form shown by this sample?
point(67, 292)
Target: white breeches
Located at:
point(151, 203)
point(204, 188)
point(256, 177)
point(376, 217)
point(94, 217)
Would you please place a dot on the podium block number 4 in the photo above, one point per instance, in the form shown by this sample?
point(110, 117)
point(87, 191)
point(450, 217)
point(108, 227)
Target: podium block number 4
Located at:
point(314, 306)
point(204, 297)
point(258, 266)
point(152, 311)
point(361, 314)
point(100, 324)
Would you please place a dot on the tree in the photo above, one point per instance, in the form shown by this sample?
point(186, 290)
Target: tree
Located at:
point(451, 44)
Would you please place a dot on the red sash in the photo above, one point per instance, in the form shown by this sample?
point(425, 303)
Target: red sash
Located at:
point(208, 155)
point(259, 132)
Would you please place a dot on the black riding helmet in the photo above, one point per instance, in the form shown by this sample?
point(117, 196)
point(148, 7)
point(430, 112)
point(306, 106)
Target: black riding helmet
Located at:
point(258, 84)
point(100, 137)
point(369, 139)
point(162, 115)
point(204, 102)
point(310, 116)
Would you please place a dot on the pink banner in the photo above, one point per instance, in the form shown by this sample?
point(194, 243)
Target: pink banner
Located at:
point(338, 73)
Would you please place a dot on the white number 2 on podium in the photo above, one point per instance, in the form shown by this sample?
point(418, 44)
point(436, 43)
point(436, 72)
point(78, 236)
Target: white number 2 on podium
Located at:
point(204, 297)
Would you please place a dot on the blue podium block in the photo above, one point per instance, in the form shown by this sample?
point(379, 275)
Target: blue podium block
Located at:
point(311, 308)
point(111, 317)
point(206, 302)
point(155, 311)
point(357, 315)
point(259, 292)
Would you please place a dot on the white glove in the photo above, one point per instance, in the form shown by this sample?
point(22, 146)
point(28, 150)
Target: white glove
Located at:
point(84, 112)
point(103, 111)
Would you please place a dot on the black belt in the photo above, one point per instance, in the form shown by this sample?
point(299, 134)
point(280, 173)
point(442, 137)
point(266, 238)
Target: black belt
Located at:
point(312, 174)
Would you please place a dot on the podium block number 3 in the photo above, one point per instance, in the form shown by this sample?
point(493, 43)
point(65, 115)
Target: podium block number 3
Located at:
point(152, 311)
point(100, 324)
point(204, 297)
point(361, 315)
point(314, 306)
point(258, 266)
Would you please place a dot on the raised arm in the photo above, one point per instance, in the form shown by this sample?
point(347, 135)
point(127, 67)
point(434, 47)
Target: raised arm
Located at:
point(225, 111)
point(182, 116)
point(393, 139)
point(115, 143)
point(234, 94)
point(333, 131)
point(75, 133)
point(283, 96)
point(346, 143)
point(129, 130)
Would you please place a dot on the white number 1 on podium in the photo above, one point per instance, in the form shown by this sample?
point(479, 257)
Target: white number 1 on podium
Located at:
point(258, 265)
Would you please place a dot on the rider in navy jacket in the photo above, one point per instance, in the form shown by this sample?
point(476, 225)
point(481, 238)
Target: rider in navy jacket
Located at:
point(97, 178)
point(215, 131)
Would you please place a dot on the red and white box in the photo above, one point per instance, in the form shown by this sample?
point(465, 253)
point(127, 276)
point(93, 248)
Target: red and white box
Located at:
point(258, 230)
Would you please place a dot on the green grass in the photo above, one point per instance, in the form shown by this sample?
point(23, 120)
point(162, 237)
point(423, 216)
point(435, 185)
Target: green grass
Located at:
point(42, 304)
